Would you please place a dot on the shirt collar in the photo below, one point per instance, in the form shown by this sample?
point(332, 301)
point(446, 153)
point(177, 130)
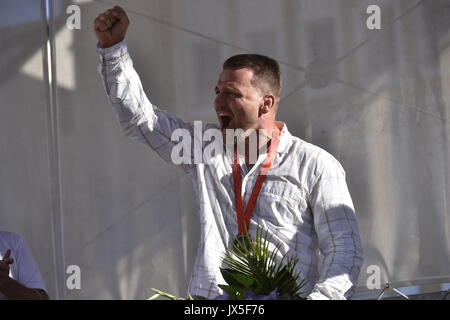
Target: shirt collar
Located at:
point(285, 139)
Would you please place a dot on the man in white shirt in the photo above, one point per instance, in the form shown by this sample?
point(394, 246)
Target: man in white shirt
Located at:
point(302, 201)
point(20, 278)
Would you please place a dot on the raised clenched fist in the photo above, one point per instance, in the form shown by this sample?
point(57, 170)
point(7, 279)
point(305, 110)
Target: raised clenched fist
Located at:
point(111, 26)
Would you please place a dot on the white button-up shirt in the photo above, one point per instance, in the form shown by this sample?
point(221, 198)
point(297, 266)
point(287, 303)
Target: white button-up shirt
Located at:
point(24, 269)
point(304, 203)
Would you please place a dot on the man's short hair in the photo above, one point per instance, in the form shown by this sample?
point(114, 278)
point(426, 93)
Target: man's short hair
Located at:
point(266, 71)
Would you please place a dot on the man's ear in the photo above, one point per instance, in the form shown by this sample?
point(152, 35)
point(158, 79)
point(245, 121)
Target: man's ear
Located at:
point(268, 103)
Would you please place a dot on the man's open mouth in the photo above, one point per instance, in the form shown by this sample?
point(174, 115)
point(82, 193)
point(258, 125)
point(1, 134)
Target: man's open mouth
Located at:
point(224, 121)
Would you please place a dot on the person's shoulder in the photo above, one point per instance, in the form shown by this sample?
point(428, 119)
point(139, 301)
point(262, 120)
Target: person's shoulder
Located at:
point(313, 154)
point(10, 236)
point(10, 240)
point(314, 161)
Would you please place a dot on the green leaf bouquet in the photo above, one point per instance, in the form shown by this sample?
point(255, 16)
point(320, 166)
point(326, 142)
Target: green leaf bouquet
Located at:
point(253, 272)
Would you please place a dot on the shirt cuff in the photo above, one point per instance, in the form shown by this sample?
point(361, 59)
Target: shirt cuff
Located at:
point(322, 292)
point(316, 295)
point(114, 52)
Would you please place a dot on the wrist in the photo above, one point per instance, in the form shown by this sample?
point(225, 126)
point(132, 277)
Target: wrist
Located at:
point(109, 44)
point(14, 290)
point(111, 53)
point(5, 284)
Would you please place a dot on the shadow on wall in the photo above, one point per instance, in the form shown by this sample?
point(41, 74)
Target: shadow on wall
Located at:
point(142, 220)
point(114, 223)
point(384, 117)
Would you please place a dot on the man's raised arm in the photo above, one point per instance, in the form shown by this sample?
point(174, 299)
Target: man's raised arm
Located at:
point(140, 120)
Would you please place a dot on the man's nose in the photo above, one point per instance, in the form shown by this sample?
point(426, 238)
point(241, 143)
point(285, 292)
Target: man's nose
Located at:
point(219, 102)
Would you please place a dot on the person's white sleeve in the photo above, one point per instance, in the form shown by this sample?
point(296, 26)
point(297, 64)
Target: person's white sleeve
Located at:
point(337, 231)
point(139, 119)
point(27, 271)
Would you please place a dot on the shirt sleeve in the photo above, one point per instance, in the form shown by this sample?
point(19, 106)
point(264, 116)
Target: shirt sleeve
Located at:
point(336, 227)
point(26, 271)
point(139, 119)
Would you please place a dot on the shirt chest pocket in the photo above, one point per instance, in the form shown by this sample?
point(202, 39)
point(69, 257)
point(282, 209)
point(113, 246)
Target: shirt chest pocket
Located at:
point(281, 202)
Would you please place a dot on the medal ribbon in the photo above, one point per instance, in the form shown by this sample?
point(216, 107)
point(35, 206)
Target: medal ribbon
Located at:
point(243, 217)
